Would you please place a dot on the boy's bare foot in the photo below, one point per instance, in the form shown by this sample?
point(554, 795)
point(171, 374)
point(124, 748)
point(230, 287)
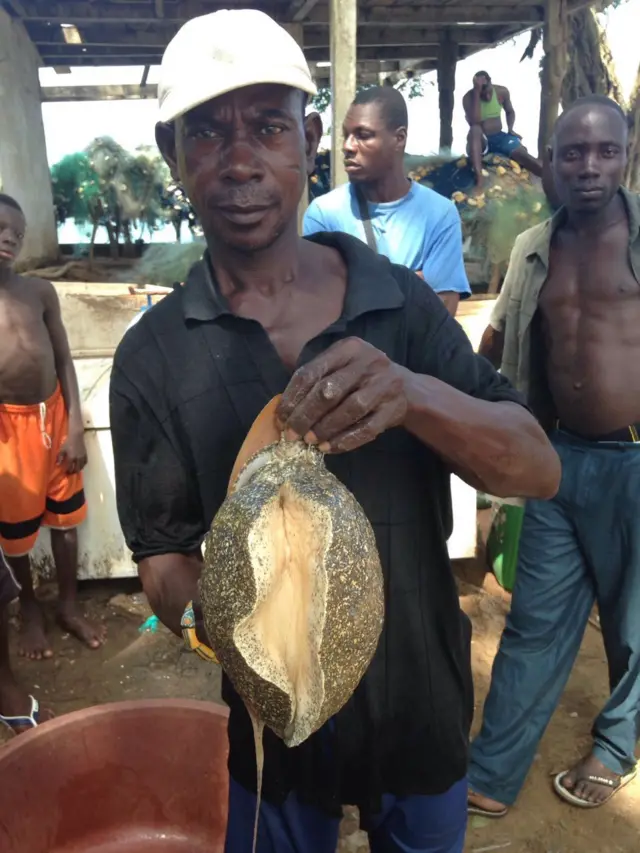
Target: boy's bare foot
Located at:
point(33, 643)
point(72, 620)
point(485, 805)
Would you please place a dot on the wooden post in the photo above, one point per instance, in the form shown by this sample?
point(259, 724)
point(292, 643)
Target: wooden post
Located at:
point(554, 67)
point(343, 18)
point(296, 31)
point(446, 87)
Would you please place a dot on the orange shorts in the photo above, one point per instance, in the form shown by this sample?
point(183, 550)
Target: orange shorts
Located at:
point(34, 489)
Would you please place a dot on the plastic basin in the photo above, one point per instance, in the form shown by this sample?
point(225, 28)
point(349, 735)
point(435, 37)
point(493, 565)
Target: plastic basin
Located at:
point(130, 777)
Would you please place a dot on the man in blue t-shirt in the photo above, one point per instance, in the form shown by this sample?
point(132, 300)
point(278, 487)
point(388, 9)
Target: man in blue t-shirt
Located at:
point(410, 224)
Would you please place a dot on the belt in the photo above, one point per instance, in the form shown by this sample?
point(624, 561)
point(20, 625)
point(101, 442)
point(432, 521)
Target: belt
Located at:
point(629, 433)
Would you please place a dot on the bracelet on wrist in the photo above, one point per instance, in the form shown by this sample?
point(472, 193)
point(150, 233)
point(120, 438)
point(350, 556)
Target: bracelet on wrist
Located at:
point(190, 637)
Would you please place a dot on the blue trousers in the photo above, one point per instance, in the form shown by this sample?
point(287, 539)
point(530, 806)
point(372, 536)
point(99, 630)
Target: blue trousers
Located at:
point(582, 546)
point(405, 825)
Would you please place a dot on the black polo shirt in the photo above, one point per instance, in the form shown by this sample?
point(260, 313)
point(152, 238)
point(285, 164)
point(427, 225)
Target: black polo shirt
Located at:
point(188, 381)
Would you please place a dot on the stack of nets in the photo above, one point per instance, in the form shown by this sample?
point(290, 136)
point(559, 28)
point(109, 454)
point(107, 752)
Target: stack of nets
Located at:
point(511, 199)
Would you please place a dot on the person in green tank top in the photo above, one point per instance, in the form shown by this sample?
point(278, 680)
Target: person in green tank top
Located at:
point(483, 106)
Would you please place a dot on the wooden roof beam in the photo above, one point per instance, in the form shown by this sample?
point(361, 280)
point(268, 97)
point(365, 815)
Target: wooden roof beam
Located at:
point(84, 14)
point(367, 71)
point(17, 7)
point(316, 36)
point(430, 16)
point(100, 51)
point(381, 37)
point(51, 94)
point(316, 54)
point(298, 10)
point(157, 33)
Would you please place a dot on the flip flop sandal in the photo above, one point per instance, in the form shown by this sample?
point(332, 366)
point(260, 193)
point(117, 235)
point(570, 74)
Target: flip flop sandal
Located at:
point(26, 721)
point(480, 812)
point(616, 785)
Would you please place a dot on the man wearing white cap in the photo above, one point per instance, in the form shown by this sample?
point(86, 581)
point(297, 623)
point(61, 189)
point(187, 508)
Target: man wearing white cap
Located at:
point(265, 313)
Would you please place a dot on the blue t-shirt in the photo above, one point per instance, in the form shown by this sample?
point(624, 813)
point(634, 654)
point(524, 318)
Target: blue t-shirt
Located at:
point(421, 231)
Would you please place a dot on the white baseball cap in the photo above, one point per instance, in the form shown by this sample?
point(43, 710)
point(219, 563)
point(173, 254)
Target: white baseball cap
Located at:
point(224, 51)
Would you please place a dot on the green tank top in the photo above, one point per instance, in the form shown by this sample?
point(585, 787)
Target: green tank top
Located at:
point(491, 108)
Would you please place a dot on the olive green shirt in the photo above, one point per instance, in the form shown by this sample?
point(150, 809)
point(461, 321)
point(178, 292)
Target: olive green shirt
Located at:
point(516, 310)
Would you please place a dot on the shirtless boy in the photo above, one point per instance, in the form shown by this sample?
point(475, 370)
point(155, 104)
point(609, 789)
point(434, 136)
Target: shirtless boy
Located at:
point(566, 330)
point(42, 450)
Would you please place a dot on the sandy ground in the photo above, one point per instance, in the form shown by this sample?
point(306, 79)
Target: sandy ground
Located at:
point(134, 666)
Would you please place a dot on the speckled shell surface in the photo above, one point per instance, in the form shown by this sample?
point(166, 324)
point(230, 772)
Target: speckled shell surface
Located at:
point(347, 585)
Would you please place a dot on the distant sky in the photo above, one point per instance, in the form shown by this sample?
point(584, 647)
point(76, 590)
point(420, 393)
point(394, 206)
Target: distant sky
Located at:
point(70, 127)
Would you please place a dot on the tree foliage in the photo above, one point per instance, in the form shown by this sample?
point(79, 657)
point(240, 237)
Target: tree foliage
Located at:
point(411, 86)
point(75, 188)
point(105, 185)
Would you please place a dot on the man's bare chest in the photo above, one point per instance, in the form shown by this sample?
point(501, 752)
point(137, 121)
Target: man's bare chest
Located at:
point(597, 282)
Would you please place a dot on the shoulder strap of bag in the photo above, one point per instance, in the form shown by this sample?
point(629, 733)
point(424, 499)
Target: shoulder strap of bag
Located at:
point(363, 209)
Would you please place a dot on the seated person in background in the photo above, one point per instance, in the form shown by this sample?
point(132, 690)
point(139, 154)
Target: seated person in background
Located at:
point(483, 106)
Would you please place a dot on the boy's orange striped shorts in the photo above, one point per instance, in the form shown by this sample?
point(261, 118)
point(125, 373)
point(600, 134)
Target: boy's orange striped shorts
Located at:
point(35, 490)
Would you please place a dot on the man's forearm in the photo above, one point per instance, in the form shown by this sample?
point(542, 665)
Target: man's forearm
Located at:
point(511, 120)
point(497, 447)
point(170, 582)
point(450, 299)
point(492, 346)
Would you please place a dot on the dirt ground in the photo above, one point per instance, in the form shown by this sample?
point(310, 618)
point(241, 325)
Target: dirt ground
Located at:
point(134, 665)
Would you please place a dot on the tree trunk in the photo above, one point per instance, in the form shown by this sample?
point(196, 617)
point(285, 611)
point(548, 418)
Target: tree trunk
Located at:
point(632, 174)
point(113, 233)
point(554, 66)
point(128, 250)
point(177, 224)
point(92, 244)
point(591, 69)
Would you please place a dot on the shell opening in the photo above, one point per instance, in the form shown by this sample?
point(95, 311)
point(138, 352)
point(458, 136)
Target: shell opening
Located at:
point(282, 637)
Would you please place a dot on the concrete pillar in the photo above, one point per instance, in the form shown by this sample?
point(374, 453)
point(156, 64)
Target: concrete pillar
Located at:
point(24, 170)
point(446, 87)
point(296, 31)
point(343, 19)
